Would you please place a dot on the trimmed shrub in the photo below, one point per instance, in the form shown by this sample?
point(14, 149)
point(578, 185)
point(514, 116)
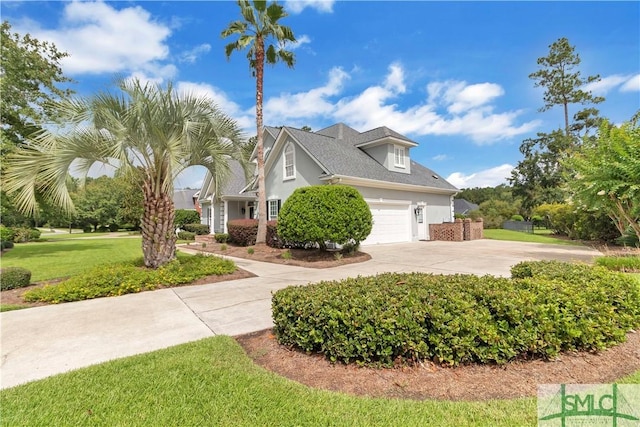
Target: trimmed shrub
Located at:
point(186, 216)
point(6, 244)
point(14, 277)
point(113, 228)
point(103, 229)
point(221, 237)
point(186, 235)
point(455, 319)
point(628, 264)
point(125, 278)
point(243, 232)
point(87, 229)
point(199, 229)
point(517, 217)
point(6, 234)
point(23, 234)
point(272, 235)
point(325, 213)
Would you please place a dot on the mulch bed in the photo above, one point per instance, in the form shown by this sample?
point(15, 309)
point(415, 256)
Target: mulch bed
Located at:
point(431, 381)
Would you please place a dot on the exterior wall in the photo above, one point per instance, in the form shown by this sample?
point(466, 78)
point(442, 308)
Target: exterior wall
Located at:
point(307, 173)
point(437, 209)
point(218, 217)
point(457, 231)
point(205, 216)
point(385, 155)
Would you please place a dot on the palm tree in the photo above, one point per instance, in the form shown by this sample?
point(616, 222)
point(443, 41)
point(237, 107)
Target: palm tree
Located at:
point(259, 25)
point(146, 131)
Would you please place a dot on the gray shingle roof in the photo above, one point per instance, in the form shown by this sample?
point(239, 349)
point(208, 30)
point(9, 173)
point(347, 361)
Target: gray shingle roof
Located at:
point(463, 207)
point(183, 199)
point(341, 157)
point(237, 180)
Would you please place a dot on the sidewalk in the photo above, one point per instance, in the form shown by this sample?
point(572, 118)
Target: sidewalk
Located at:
point(43, 341)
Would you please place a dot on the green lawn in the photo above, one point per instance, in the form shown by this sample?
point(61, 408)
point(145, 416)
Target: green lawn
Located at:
point(213, 382)
point(518, 236)
point(64, 258)
point(75, 235)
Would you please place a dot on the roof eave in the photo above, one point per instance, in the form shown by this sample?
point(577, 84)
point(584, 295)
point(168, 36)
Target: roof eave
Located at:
point(365, 182)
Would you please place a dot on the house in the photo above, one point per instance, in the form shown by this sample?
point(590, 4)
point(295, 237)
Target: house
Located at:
point(404, 196)
point(463, 207)
point(187, 199)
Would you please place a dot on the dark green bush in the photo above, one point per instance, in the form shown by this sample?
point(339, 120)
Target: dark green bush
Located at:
point(325, 213)
point(457, 319)
point(87, 229)
point(199, 229)
point(103, 229)
point(23, 234)
point(125, 278)
point(14, 277)
point(6, 234)
point(221, 237)
point(113, 228)
point(6, 244)
point(186, 235)
point(186, 216)
point(243, 232)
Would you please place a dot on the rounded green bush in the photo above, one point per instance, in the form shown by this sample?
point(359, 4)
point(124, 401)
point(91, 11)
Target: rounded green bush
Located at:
point(325, 213)
point(14, 277)
point(455, 319)
point(186, 235)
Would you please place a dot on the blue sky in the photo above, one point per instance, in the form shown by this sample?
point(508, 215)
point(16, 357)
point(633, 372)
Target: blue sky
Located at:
point(453, 76)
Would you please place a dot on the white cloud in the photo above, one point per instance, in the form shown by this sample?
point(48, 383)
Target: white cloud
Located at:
point(625, 83)
point(245, 119)
point(286, 106)
point(297, 6)
point(303, 39)
point(468, 108)
point(486, 178)
point(440, 157)
point(102, 39)
point(632, 84)
point(190, 56)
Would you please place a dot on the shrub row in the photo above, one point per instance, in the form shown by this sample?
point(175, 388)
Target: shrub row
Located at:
point(629, 264)
point(461, 318)
point(14, 277)
point(221, 237)
point(18, 234)
point(244, 232)
point(125, 278)
point(186, 235)
point(199, 229)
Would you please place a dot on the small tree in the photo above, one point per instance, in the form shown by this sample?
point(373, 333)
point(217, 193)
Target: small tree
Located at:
point(325, 213)
point(186, 216)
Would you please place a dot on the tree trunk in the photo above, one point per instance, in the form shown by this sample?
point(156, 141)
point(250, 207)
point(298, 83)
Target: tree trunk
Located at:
point(261, 237)
point(158, 234)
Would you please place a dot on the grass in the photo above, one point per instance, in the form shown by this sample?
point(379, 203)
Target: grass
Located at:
point(10, 307)
point(518, 236)
point(64, 258)
point(212, 382)
point(620, 263)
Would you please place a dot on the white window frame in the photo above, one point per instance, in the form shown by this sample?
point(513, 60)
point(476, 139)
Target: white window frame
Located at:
point(289, 149)
point(399, 155)
point(271, 203)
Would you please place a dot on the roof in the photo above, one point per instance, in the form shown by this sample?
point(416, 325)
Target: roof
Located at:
point(183, 199)
point(233, 187)
point(463, 207)
point(334, 148)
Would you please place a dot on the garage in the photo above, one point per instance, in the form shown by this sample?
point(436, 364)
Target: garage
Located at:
point(391, 223)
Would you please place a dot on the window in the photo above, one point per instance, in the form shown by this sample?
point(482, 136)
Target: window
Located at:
point(398, 156)
point(273, 208)
point(289, 162)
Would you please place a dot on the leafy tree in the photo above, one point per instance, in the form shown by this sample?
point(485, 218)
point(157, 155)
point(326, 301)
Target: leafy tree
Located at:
point(607, 174)
point(538, 178)
point(186, 216)
point(325, 213)
point(146, 128)
point(30, 79)
point(260, 25)
point(98, 202)
point(496, 212)
point(562, 84)
point(478, 195)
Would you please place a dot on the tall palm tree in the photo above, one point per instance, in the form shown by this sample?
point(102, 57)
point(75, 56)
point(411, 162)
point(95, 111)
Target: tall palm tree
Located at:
point(148, 131)
point(259, 25)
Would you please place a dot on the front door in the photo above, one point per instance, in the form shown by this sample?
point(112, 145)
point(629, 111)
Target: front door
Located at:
point(422, 224)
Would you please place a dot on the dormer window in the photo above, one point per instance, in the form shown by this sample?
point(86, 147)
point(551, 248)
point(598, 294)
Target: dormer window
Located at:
point(289, 162)
point(398, 156)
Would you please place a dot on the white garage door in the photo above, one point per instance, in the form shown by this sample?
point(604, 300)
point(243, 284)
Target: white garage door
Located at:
point(391, 223)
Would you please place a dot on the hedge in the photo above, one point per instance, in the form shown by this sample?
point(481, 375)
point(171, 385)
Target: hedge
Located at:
point(458, 319)
point(14, 277)
point(199, 229)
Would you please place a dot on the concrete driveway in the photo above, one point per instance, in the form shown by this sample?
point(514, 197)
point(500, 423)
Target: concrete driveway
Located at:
point(43, 341)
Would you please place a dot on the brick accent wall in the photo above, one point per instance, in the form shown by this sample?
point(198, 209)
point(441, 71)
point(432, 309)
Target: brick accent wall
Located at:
point(205, 238)
point(473, 230)
point(457, 231)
